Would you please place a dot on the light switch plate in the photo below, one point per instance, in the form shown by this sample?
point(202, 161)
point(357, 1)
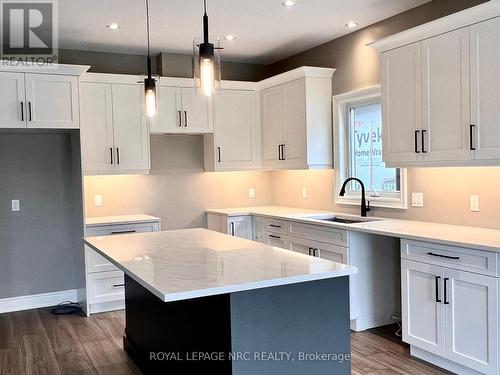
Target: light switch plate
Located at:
point(417, 199)
point(98, 200)
point(474, 203)
point(16, 205)
point(304, 193)
point(251, 192)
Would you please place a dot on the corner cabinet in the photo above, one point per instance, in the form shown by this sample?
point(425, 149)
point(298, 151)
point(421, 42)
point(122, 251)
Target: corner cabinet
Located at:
point(296, 113)
point(114, 130)
point(41, 98)
point(450, 306)
point(440, 92)
point(235, 143)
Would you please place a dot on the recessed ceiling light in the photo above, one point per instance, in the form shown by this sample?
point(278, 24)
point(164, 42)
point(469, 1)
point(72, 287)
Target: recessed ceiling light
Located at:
point(351, 24)
point(230, 37)
point(289, 3)
point(113, 26)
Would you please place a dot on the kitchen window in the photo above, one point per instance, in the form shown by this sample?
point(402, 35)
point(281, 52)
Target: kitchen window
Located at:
point(358, 148)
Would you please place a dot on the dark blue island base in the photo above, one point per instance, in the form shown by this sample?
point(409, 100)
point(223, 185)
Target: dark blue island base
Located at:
point(294, 329)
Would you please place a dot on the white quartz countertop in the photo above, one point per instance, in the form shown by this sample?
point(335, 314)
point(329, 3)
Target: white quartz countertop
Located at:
point(477, 238)
point(120, 219)
point(184, 264)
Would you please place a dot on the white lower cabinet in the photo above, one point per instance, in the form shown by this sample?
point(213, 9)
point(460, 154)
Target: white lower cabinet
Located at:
point(450, 313)
point(237, 226)
point(104, 282)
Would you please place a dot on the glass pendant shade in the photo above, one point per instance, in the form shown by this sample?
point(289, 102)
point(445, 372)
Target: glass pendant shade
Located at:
point(150, 97)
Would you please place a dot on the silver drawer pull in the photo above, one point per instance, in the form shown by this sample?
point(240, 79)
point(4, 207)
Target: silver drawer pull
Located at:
point(118, 285)
point(124, 232)
point(443, 256)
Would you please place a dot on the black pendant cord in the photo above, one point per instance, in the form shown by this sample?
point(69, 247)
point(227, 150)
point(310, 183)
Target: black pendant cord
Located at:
point(148, 39)
point(205, 23)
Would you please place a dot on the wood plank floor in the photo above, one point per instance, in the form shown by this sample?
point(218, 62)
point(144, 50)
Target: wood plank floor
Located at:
point(35, 342)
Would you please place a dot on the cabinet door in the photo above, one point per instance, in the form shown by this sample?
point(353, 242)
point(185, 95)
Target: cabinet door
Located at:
point(402, 103)
point(169, 117)
point(130, 129)
point(97, 127)
point(472, 320)
point(272, 126)
point(12, 100)
point(445, 77)
point(240, 227)
point(197, 111)
point(485, 90)
point(294, 124)
point(52, 101)
point(236, 130)
point(422, 314)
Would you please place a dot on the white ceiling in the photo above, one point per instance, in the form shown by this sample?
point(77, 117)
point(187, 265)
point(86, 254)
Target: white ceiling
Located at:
point(265, 30)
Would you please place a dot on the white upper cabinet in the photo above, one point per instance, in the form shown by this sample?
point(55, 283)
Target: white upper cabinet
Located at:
point(235, 144)
point(114, 130)
point(130, 129)
point(40, 97)
point(445, 104)
point(97, 127)
point(182, 109)
point(402, 105)
point(12, 103)
point(439, 80)
point(297, 119)
point(52, 101)
point(169, 117)
point(485, 90)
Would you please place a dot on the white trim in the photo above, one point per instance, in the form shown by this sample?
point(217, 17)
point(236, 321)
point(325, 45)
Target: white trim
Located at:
point(111, 78)
point(58, 69)
point(291, 75)
point(340, 164)
point(442, 25)
point(37, 301)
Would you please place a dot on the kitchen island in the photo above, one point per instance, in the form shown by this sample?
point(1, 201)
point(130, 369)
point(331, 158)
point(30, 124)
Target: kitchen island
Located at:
point(201, 302)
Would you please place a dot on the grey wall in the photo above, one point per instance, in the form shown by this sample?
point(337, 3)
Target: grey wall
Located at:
point(39, 250)
point(356, 64)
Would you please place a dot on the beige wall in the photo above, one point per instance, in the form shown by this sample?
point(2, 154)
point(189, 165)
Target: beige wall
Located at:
point(177, 190)
point(446, 194)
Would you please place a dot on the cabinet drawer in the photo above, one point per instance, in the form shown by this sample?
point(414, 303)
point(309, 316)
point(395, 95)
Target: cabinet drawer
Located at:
point(272, 225)
point(109, 230)
point(96, 262)
point(465, 259)
point(318, 233)
point(333, 253)
point(106, 286)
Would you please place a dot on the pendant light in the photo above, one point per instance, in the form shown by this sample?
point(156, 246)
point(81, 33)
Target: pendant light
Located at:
point(149, 82)
point(207, 64)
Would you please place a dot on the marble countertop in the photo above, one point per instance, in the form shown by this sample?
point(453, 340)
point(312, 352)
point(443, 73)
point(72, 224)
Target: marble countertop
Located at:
point(184, 264)
point(455, 235)
point(120, 219)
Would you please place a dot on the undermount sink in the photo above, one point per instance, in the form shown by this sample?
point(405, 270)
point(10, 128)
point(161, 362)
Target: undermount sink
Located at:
point(342, 220)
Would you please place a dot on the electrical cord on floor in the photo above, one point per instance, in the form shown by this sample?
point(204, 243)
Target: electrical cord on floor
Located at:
point(397, 320)
point(66, 307)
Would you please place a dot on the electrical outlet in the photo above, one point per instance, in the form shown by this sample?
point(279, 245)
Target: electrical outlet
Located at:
point(474, 203)
point(304, 193)
point(417, 199)
point(251, 192)
point(16, 205)
point(98, 200)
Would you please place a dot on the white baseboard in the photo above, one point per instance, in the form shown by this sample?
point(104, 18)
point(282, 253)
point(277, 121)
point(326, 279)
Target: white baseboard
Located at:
point(36, 301)
point(442, 362)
